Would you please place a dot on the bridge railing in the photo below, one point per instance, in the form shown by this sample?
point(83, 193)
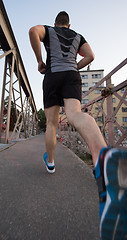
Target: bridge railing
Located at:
point(110, 116)
point(18, 113)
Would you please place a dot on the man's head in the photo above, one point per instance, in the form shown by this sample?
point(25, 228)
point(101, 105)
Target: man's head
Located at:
point(62, 19)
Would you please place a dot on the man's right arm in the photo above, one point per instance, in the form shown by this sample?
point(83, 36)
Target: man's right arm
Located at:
point(88, 56)
point(37, 35)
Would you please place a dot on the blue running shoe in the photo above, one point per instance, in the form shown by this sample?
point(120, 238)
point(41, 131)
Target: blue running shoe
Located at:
point(99, 176)
point(111, 176)
point(50, 169)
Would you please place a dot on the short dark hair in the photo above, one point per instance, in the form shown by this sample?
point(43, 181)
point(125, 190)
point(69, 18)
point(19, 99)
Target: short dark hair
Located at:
point(62, 18)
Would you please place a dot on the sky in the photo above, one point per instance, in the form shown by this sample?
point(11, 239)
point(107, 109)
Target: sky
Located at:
point(101, 22)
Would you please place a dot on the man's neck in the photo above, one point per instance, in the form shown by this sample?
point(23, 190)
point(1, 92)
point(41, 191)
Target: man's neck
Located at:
point(66, 26)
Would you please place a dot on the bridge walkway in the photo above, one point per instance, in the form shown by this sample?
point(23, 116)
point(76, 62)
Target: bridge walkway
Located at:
point(36, 205)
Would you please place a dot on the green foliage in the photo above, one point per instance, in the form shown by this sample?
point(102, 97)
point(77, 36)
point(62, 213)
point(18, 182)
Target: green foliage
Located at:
point(42, 119)
point(13, 117)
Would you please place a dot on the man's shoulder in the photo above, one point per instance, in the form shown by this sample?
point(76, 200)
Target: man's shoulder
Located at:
point(47, 26)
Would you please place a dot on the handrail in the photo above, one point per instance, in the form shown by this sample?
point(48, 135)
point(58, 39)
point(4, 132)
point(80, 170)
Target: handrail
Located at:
point(109, 116)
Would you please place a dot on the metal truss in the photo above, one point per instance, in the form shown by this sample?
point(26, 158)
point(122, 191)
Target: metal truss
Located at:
point(18, 114)
point(108, 114)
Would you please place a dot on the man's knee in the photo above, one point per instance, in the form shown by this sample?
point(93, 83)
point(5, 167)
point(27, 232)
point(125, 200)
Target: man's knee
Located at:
point(51, 123)
point(52, 115)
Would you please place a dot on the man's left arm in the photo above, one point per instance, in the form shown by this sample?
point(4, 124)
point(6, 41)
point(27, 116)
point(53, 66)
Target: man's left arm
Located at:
point(37, 35)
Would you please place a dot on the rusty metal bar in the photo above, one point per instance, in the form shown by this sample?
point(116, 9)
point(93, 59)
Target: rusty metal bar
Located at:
point(6, 53)
point(119, 86)
point(119, 97)
point(109, 115)
point(2, 98)
point(93, 101)
point(9, 103)
point(22, 104)
point(17, 124)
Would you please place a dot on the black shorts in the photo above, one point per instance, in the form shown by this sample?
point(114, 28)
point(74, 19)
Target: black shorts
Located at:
point(60, 85)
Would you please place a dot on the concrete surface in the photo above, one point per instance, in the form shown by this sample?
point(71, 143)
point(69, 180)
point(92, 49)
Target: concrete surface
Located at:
point(36, 205)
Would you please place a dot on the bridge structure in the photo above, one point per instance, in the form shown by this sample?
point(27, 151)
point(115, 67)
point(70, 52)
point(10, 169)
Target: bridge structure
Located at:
point(18, 113)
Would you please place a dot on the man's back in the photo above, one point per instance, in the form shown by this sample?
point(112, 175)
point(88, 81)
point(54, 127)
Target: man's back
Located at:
point(62, 45)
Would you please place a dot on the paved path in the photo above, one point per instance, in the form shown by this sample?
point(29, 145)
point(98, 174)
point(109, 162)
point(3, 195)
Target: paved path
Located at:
point(36, 205)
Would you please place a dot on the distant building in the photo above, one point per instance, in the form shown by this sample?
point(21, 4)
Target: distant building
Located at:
point(89, 79)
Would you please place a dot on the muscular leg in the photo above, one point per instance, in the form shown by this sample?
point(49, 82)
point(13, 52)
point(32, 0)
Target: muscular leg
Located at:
point(52, 115)
point(86, 126)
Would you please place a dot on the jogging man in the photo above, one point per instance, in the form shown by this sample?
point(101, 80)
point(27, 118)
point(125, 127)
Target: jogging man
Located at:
point(62, 86)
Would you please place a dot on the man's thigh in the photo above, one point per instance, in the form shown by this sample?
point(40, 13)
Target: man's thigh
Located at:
point(72, 105)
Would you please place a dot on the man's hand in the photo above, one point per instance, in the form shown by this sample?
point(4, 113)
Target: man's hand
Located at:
point(41, 67)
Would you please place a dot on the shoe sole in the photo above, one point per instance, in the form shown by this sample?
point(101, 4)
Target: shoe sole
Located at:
point(48, 170)
point(113, 225)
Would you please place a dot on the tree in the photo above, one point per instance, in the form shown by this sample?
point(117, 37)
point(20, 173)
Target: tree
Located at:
point(13, 117)
point(42, 119)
